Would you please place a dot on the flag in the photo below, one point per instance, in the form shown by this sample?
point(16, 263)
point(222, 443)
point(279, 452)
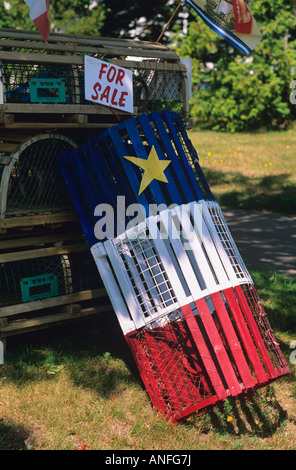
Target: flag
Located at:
point(184, 299)
point(39, 16)
point(232, 20)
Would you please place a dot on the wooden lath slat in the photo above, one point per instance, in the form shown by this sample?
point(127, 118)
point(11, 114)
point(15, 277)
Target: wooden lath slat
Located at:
point(79, 61)
point(101, 49)
point(82, 40)
point(42, 304)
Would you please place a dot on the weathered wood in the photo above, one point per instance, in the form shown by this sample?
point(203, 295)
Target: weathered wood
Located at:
point(81, 40)
point(22, 241)
point(79, 60)
point(45, 108)
point(12, 136)
point(43, 304)
point(8, 148)
point(38, 323)
point(59, 125)
point(120, 50)
point(72, 309)
point(45, 219)
point(42, 252)
point(6, 119)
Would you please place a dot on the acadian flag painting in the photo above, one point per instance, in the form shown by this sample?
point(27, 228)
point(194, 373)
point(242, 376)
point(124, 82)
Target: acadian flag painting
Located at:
point(183, 296)
point(231, 19)
point(39, 16)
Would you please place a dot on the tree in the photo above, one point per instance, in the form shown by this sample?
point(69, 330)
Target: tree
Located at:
point(232, 92)
point(142, 20)
point(119, 18)
point(67, 16)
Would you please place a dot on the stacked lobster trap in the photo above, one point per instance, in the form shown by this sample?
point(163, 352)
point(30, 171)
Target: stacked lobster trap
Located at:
point(182, 294)
point(47, 274)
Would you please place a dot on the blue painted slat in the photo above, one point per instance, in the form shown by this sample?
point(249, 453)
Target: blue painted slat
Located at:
point(179, 147)
point(115, 174)
point(86, 220)
point(98, 171)
point(154, 188)
point(199, 174)
point(86, 184)
point(168, 190)
point(128, 168)
point(179, 174)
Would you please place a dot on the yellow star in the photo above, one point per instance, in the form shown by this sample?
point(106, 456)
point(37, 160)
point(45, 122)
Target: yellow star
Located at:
point(153, 168)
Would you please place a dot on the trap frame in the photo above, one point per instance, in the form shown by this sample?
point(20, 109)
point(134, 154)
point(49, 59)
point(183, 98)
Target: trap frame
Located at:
point(183, 296)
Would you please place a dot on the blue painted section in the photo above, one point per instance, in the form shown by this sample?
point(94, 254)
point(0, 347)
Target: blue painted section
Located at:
point(97, 172)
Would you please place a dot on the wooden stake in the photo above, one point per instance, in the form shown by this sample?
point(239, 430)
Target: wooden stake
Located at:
point(169, 22)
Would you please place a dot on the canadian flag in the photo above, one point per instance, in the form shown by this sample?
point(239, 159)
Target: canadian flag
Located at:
point(39, 16)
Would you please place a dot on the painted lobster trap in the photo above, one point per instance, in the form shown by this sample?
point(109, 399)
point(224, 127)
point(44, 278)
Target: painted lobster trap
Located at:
point(182, 294)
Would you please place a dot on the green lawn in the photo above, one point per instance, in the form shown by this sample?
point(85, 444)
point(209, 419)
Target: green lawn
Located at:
point(250, 171)
point(77, 387)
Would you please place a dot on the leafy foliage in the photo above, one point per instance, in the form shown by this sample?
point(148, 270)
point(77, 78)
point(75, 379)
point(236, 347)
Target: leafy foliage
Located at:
point(69, 16)
point(119, 18)
point(233, 92)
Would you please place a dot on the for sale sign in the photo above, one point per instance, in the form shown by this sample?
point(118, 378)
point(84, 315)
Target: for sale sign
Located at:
point(108, 84)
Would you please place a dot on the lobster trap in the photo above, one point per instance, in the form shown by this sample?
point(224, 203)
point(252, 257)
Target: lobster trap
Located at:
point(48, 86)
point(182, 294)
point(50, 284)
point(44, 112)
point(27, 280)
point(30, 179)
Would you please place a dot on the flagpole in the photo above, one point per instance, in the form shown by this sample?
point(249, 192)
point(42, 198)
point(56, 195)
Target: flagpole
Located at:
point(169, 22)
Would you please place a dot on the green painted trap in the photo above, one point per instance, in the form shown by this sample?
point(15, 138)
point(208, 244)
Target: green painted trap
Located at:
point(47, 90)
point(39, 287)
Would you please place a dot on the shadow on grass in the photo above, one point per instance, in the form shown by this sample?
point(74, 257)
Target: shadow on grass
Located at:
point(12, 437)
point(270, 193)
point(259, 414)
point(94, 353)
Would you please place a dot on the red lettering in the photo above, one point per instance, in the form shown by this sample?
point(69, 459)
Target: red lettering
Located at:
point(105, 94)
point(121, 101)
point(102, 70)
point(120, 76)
point(113, 102)
point(111, 74)
point(97, 87)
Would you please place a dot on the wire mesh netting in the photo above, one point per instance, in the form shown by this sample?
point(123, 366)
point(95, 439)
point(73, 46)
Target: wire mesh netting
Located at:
point(228, 243)
point(35, 181)
point(146, 272)
point(182, 367)
point(171, 366)
point(154, 90)
point(37, 278)
point(261, 318)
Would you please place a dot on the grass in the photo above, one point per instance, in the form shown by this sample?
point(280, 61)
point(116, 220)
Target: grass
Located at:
point(250, 171)
point(77, 387)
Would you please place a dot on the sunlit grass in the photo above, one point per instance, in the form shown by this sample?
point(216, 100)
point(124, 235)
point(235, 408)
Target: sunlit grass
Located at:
point(78, 388)
point(250, 171)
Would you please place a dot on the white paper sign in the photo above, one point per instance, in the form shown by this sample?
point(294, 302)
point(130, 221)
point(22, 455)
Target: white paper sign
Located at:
point(108, 84)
